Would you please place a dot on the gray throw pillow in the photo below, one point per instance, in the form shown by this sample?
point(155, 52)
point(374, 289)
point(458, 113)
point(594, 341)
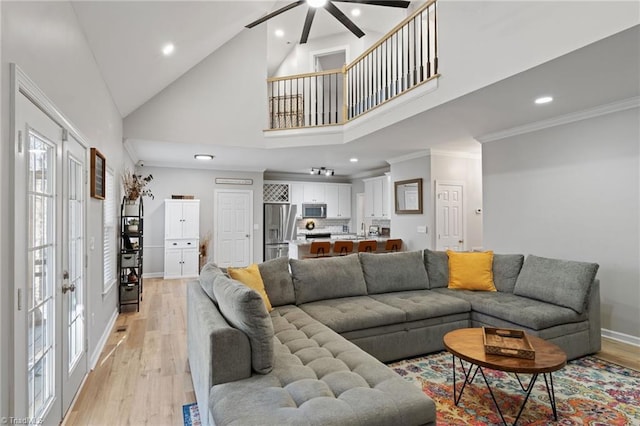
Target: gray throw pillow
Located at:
point(506, 268)
point(561, 282)
point(327, 278)
point(437, 264)
point(244, 309)
point(385, 273)
point(277, 281)
point(207, 276)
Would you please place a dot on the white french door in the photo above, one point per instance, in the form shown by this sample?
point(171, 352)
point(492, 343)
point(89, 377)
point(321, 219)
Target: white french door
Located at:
point(50, 355)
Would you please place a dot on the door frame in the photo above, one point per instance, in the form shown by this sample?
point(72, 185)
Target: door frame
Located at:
point(22, 85)
point(216, 241)
point(437, 184)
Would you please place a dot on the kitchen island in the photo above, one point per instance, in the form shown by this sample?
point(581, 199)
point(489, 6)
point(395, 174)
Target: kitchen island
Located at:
point(299, 249)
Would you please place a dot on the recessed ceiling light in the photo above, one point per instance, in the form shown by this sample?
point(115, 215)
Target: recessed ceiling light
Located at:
point(355, 12)
point(543, 100)
point(203, 157)
point(353, 160)
point(316, 3)
point(279, 33)
point(168, 49)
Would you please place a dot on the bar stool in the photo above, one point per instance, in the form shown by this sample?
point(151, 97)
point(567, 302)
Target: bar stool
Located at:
point(342, 248)
point(393, 245)
point(319, 249)
point(369, 246)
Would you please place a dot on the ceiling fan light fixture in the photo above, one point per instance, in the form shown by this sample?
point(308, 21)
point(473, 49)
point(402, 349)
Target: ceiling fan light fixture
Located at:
point(316, 3)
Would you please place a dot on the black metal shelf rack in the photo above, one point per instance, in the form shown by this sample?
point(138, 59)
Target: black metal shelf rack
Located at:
point(130, 258)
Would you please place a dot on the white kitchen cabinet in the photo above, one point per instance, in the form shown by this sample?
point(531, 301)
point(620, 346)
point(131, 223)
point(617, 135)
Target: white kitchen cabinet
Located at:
point(296, 197)
point(377, 201)
point(181, 243)
point(314, 193)
point(338, 199)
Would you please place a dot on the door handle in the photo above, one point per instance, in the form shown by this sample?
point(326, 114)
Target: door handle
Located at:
point(66, 288)
point(246, 235)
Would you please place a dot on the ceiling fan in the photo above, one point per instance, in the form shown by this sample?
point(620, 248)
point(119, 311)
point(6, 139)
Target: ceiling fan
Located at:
point(332, 9)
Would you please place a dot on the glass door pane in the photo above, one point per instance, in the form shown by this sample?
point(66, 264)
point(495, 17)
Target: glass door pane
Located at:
point(75, 238)
point(41, 277)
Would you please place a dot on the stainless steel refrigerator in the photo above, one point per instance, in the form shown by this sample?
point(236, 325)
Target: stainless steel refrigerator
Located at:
point(279, 227)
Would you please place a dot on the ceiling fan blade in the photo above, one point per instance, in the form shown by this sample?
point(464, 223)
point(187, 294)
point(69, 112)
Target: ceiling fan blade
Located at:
point(388, 3)
point(275, 13)
point(332, 9)
point(307, 25)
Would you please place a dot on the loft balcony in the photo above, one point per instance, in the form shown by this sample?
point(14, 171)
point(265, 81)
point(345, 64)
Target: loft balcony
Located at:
point(404, 59)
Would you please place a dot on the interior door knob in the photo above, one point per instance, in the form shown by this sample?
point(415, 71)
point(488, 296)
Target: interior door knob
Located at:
point(66, 288)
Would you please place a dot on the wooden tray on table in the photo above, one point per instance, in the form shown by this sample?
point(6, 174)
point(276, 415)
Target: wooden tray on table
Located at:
point(507, 342)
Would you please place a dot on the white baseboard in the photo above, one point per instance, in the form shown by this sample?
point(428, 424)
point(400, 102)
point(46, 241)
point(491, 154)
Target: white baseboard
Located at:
point(621, 337)
point(153, 275)
point(93, 361)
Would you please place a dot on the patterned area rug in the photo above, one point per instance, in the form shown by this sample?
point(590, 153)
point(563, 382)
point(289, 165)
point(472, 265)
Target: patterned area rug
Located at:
point(191, 415)
point(588, 391)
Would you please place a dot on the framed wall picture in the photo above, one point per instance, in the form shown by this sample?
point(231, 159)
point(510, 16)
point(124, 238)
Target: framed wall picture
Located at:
point(98, 174)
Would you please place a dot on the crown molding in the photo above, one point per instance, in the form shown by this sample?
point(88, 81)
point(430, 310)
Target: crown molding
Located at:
point(563, 119)
point(457, 154)
point(411, 156)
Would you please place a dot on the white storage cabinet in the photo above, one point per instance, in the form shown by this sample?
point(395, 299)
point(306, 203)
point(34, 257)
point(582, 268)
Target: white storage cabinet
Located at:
point(181, 238)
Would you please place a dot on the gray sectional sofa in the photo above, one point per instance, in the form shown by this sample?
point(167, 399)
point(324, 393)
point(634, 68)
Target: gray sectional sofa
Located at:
point(316, 359)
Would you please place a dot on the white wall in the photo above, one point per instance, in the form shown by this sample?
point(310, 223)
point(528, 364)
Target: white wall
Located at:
point(405, 226)
point(201, 184)
point(223, 99)
point(468, 170)
point(300, 59)
point(572, 192)
point(46, 42)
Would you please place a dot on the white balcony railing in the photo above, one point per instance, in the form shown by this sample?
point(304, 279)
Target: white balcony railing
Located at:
point(403, 59)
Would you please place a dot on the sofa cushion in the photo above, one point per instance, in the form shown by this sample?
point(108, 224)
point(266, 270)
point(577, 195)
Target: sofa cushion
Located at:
point(207, 276)
point(401, 271)
point(525, 312)
point(471, 271)
point(245, 310)
point(437, 265)
point(423, 304)
point(250, 276)
point(327, 278)
point(353, 313)
point(506, 268)
point(561, 282)
point(277, 281)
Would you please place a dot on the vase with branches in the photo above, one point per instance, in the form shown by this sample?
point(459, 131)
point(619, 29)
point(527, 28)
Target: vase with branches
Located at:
point(135, 186)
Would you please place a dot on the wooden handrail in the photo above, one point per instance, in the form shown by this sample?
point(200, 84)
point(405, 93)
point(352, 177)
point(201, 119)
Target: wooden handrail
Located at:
point(305, 75)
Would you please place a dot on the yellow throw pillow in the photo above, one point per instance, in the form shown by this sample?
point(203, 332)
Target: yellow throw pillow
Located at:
point(471, 271)
point(250, 276)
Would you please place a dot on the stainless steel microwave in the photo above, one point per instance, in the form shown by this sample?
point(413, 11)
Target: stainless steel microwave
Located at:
point(315, 211)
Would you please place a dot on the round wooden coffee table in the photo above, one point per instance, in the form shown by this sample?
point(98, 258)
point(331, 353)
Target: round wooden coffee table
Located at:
point(467, 344)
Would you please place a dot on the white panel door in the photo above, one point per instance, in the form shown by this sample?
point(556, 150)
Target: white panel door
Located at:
point(172, 263)
point(297, 197)
point(449, 217)
point(190, 262)
point(233, 228)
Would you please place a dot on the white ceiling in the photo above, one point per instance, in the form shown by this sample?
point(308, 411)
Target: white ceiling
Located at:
point(126, 38)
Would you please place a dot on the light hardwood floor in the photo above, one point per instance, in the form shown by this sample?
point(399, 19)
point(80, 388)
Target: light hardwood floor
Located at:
point(143, 375)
